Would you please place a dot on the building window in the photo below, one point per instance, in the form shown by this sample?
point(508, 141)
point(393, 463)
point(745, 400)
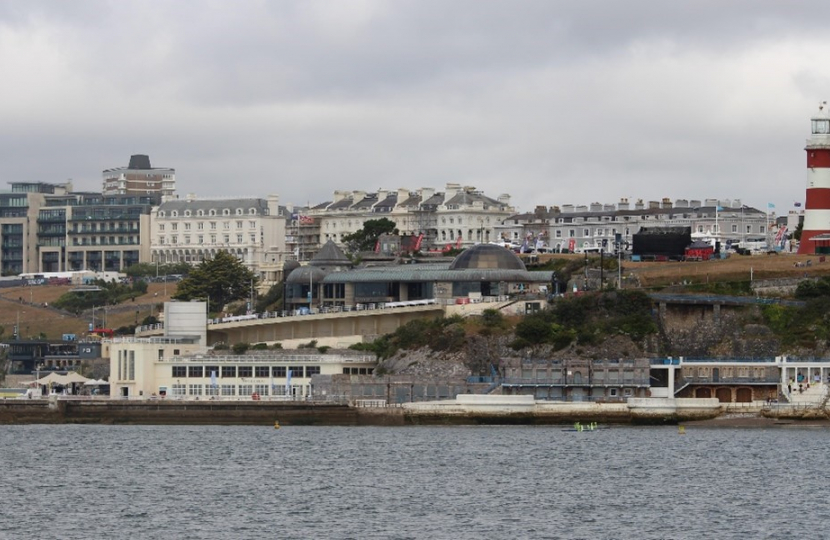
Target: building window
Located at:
point(246, 371)
point(161, 226)
point(212, 225)
point(279, 371)
point(187, 226)
point(228, 390)
point(586, 232)
point(252, 224)
point(262, 371)
point(179, 371)
point(312, 370)
point(200, 226)
point(228, 371)
point(195, 371)
point(194, 389)
point(571, 233)
point(238, 224)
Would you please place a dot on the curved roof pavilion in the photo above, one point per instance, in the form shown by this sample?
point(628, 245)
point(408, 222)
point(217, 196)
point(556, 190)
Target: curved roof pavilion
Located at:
point(484, 262)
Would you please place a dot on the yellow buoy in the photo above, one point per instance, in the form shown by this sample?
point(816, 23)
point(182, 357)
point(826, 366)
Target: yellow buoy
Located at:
point(681, 430)
point(276, 425)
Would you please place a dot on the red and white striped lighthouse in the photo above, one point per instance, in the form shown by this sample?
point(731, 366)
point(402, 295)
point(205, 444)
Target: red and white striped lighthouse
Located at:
point(817, 205)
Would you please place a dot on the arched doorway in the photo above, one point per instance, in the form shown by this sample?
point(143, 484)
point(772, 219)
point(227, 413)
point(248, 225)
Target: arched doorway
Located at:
point(703, 393)
point(724, 395)
point(743, 395)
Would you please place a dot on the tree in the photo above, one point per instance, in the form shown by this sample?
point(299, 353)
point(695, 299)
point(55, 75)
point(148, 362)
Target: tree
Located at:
point(366, 238)
point(219, 280)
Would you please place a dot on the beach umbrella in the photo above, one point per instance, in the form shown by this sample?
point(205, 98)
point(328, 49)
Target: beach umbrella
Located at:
point(73, 377)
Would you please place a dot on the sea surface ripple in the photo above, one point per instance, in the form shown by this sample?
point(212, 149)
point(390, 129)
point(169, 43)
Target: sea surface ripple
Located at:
point(221, 482)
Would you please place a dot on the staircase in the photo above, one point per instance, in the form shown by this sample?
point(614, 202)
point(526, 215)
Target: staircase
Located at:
point(816, 395)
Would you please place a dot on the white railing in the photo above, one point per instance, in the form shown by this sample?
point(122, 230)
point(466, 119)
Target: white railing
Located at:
point(324, 310)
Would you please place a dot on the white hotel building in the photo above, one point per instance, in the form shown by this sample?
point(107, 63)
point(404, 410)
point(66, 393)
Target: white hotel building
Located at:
point(458, 216)
point(190, 230)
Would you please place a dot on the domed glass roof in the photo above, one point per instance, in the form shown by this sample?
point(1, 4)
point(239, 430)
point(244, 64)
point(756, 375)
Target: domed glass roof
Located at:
point(306, 274)
point(488, 256)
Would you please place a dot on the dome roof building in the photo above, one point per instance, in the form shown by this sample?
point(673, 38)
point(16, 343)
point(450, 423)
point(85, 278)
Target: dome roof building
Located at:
point(487, 257)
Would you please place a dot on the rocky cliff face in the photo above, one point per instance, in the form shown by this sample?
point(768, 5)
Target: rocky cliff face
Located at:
point(687, 333)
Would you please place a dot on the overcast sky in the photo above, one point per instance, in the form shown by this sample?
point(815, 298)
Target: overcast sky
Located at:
point(551, 102)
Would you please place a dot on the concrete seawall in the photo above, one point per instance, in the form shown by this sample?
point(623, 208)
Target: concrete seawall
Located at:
point(465, 409)
point(173, 412)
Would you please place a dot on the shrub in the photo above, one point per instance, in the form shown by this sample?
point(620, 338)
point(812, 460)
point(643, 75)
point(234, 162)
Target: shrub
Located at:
point(260, 347)
point(492, 318)
point(323, 349)
point(241, 348)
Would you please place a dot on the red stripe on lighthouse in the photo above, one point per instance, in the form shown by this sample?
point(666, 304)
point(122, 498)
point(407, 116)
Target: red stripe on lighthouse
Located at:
point(818, 158)
point(818, 199)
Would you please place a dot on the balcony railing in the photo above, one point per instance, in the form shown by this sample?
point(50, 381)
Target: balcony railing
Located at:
point(569, 381)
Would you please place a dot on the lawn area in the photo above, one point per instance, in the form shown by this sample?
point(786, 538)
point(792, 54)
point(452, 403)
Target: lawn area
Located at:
point(32, 306)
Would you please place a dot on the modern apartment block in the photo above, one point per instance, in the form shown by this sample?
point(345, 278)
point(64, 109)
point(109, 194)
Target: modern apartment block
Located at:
point(19, 210)
point(139, 178)
point(459, 216)
point(91, 231)
point(190, 230)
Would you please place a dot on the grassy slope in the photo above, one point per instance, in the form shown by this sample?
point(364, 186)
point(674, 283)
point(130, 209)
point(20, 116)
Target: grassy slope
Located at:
point(735, 268)
point(27, 303)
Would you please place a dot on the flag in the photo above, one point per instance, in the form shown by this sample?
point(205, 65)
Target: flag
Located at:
point(306, 220)
point(797, 204)
point(288, 383)
point(719, 209)
point(770, 205)
point(213, 378)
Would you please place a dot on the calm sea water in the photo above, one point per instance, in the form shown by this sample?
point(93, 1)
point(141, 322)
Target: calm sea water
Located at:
point(217, 482)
